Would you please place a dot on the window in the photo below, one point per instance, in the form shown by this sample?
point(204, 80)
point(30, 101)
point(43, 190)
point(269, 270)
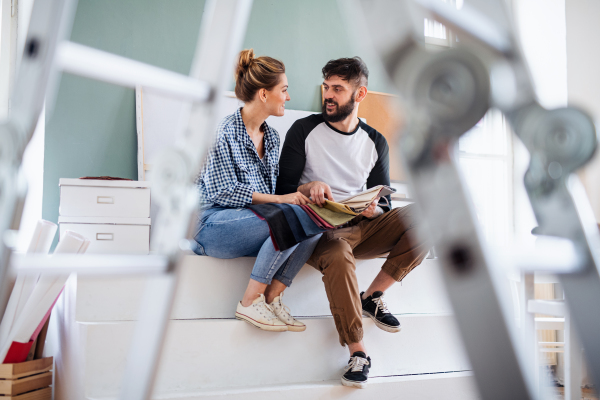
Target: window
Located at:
point(436, 33)
point(485, 156)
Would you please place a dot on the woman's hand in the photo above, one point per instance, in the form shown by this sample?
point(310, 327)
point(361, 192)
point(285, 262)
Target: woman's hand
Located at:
point(293, 198)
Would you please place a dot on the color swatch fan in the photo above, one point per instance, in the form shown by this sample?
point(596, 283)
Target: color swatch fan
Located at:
point(358, 203)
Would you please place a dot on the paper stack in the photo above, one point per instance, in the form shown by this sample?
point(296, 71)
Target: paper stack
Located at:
point(24, 284)
point(36, 310)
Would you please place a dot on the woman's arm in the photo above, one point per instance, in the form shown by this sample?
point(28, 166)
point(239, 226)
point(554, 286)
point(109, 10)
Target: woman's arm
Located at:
point(223, 188)
point(220, 181)
point(292, 198)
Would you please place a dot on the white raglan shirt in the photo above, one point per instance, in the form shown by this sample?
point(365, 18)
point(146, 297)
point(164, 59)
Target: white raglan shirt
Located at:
point(349, 162)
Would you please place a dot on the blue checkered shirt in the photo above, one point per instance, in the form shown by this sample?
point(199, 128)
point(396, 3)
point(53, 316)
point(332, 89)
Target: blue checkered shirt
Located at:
point(233, 170)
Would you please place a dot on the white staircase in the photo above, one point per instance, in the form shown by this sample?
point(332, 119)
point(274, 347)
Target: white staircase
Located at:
point(209, 354)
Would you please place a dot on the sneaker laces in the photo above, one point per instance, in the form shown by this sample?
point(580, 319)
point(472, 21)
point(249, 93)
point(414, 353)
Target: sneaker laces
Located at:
point(356, 363)
point(282, 309)
point(380, 305)
point(263, 306)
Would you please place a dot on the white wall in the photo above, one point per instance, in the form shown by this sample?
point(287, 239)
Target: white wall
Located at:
point(583, 66)
point(542, 29)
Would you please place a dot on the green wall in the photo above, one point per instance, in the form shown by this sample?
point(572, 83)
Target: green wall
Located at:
point(92, 128)
point(304, 35)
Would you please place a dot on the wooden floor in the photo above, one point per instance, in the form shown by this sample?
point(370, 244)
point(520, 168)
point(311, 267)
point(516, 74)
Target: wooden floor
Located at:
point(586, 394)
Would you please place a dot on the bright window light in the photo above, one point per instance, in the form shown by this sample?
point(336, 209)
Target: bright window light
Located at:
point(434, 29)
point(485, 159)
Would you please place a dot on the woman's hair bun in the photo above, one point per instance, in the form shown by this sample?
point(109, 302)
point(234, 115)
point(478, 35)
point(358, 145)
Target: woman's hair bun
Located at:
point(253, 74)
point(246, 58)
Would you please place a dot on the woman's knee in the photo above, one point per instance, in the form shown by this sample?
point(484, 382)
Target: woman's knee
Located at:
point(231, 238)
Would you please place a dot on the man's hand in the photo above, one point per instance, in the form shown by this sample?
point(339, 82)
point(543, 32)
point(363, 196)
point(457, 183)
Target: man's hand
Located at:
point(373, 211)
point(317, 191)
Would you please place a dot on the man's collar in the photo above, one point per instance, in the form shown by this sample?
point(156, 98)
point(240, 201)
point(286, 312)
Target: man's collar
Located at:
point(342, 132)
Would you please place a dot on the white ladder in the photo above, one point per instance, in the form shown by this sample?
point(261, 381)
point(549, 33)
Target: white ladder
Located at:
point(447, 92)
point(46, 54)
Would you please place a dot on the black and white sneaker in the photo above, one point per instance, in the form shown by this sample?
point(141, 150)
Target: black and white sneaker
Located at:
point(357, 370)
point(375, 308)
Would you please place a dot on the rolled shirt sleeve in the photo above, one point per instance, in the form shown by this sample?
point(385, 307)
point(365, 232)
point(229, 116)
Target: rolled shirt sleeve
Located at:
point(221, 185)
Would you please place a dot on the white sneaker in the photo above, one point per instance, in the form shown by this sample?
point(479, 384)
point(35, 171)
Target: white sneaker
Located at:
point(283, 313)
point(261, 315)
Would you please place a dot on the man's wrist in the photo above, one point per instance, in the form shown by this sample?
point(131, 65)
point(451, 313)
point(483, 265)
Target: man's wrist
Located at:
point(305, 189)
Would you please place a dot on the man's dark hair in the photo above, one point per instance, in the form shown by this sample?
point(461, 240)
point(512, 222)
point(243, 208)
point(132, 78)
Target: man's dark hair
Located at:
point(353, 70)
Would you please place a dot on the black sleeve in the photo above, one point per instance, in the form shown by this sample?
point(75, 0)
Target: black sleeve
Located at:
point(380, 174)
point(293, 157)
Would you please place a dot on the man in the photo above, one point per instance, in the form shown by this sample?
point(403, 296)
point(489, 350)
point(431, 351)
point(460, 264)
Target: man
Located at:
point(333, 155)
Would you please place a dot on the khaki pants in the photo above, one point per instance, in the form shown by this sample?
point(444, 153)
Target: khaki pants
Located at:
point(338, 249)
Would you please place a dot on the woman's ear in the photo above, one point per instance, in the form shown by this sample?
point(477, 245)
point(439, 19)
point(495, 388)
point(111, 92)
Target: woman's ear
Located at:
point(262, 95)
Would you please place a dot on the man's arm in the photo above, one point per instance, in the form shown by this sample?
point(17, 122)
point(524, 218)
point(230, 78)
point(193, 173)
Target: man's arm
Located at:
point(380, 174)
point(291, 160)
point(318, 191)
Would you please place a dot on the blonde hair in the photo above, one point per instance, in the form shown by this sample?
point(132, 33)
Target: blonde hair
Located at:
point(253, 74)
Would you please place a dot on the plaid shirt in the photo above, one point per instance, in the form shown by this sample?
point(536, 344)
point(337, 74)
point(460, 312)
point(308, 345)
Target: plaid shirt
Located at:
point(233, 170)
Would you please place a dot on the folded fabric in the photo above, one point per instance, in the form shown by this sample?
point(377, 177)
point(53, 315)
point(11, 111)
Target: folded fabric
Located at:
point(294, 222)
point(340, 208)
point(315, 217)
point(331, 217)
point(270, 231)
point(278, 224)
point(309, 226)
point(360, 201)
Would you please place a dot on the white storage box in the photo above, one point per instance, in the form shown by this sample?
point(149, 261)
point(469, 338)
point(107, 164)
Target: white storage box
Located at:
point(111, 235)
point(113, 215)
point(100, 198)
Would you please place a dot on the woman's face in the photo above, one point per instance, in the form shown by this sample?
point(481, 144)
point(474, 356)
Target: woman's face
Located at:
point(277, 97)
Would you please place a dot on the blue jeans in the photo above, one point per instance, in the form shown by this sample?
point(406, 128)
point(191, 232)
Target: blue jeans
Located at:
point(232, 233)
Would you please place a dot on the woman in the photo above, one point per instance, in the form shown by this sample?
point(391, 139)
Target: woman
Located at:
point(241, 170)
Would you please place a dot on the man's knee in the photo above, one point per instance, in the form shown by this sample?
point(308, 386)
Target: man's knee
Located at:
point(406, 215)
point(333, 254)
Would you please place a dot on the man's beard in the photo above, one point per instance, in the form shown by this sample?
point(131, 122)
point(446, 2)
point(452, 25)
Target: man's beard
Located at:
point(342, 112)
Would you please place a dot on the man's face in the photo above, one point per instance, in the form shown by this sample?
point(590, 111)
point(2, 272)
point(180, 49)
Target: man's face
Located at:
point(338, 99)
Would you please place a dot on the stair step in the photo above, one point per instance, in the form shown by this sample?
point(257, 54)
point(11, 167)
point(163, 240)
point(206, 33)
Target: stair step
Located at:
point(211, 288)
point(447, 386)
point(219, 354)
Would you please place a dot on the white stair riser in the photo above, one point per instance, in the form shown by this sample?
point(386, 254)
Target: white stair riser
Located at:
point(217, 354)
point(211, 288)
point(451, 386)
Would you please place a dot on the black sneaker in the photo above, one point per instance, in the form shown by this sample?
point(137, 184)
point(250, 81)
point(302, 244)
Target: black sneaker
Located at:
point(375, 308)
point(357, 371)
